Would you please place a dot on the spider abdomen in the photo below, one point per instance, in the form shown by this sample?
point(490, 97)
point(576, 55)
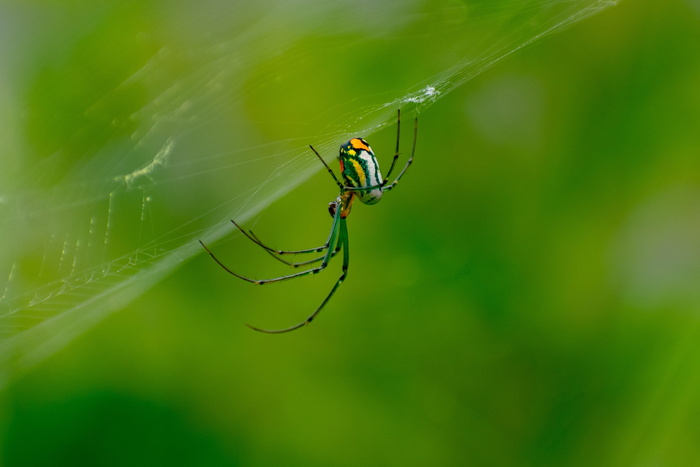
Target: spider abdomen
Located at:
point(360, 169)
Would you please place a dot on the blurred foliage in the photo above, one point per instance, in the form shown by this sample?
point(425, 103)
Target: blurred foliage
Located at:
point(527, 296)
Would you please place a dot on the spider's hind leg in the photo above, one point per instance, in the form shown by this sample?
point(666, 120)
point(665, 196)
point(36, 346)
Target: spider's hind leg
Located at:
point(343, 243)
point(254, 238)
point(276, 255)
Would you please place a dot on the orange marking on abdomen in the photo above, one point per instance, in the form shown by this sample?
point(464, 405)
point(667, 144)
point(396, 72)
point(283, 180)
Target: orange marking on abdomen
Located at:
point(357, 143)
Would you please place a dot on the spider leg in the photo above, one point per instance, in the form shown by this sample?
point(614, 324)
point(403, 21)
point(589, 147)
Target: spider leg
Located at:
point(332, 238)
point(274, 254)
point(409, 161)
point(343, 244)
point(396, 154)
point(251, 236)
point(330, 171)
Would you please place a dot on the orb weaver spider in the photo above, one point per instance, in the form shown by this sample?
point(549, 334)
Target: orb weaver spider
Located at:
point(363, 180)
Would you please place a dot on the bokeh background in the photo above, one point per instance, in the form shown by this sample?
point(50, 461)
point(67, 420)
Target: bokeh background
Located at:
point(528, 295)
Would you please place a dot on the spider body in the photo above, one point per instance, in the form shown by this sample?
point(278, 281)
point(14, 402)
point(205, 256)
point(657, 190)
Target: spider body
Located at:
point(360, 169)
point(362, 179)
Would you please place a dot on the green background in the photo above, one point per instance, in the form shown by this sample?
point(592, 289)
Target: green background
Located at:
point(528, 295)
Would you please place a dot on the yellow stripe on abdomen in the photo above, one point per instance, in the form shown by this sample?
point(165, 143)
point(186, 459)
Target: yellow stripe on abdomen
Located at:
point(360, 172)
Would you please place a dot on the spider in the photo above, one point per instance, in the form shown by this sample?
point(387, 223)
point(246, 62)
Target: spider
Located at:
point(363, 180)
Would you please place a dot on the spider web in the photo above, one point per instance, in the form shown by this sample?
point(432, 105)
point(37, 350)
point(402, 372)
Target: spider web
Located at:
point(131, 132)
